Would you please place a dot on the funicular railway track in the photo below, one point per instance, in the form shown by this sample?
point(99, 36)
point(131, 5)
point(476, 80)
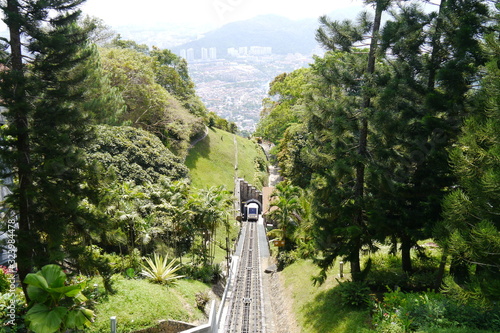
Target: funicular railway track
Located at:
point(246, 309)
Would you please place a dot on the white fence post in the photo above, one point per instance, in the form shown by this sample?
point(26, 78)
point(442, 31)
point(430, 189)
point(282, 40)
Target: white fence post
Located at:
point(113, 324)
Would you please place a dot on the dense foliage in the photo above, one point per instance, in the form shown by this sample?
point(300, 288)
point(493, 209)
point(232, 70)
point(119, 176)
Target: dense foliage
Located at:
point(48, 125)
point(91, 195)
point(149, 105)
point(134, 155)
point(394, 144)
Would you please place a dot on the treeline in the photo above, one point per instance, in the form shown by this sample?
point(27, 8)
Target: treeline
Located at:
point(97, 129)
point(393, 138)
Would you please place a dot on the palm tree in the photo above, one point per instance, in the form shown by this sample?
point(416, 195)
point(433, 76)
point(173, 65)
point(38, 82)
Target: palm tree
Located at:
point(287, 208)
point(210, 208)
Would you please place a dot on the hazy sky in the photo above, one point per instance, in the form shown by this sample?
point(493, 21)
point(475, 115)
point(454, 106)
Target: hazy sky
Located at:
point(206, 12)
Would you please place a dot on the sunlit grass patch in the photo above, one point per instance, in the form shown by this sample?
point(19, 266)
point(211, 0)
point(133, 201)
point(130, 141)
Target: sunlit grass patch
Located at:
point(139, 304)
point(317, 308)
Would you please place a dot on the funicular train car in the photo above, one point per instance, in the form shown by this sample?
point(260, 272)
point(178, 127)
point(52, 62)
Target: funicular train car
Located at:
point(251, 210)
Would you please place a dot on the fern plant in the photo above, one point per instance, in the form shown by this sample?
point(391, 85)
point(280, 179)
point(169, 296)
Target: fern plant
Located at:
point(160, 270)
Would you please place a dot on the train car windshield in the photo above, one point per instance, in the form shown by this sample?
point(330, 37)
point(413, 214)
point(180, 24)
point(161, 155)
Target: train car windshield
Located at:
point(252, 210)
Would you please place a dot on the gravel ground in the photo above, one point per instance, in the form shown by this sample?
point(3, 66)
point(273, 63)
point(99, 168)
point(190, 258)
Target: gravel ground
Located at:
point(278, 304)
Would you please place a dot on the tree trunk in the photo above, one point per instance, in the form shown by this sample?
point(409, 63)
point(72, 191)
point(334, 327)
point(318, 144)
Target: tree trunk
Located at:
point(356, 263)
point(441, 269)
point(406, 254)
point(435, 45)
point(363, 139)
point(19, 116)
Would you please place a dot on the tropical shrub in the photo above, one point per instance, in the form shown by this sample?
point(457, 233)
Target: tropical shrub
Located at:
point(285, 259)
point(202, 298)
point(353, 294)
point(204, 273)
point(56, 306)
point(134, 155)
point(160, 270)
point(405, 312)
point(387, 274)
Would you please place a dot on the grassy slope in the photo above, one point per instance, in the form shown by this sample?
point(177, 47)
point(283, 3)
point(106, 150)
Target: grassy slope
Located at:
point(212, 163)
point(212, 160)
point(134, 296)
point(317, 309)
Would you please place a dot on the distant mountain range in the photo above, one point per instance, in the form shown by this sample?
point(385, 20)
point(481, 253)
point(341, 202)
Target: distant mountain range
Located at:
point(283, 35)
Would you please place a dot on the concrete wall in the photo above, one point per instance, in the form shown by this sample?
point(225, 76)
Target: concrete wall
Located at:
point(244, 192)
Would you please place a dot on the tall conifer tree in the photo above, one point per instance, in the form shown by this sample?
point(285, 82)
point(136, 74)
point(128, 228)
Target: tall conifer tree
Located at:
point(421, 106)
point(47, 127)
point(343, 36)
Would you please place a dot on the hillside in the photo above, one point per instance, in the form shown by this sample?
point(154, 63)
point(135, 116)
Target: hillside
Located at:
point(212, 161)
point(282, 34)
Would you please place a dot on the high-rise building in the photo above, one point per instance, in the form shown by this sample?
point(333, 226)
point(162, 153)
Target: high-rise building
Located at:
point(213, 53)
point(190, 54)
point(204, 53)
point(260, 50)
point(243, 51)
point(233, 52)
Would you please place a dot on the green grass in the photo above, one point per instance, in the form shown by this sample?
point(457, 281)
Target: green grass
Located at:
point(248, 151)
point(317, 309)
point(212, 161)
point(139, 304)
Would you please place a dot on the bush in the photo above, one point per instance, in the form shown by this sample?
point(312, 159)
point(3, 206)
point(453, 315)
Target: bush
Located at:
point(4, 279)
point(353, 294)
point(202, 298)
point(386, 274)
point(420, 311)
point(206, 274)
point(285, 258)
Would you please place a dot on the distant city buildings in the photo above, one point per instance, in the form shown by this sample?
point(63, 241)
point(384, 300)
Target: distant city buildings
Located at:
point(249, 51)
point(190, 54)
point(234, 87)
point(260, 50)
point(211, 53)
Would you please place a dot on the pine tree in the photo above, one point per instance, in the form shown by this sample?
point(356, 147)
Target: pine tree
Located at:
point(421, 108)
point(48, 126)
point(471, 211)
point(342, 36)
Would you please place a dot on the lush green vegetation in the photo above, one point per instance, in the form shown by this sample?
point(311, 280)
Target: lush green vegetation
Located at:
point(386, 121)
point(340, 306)
point(381, 147)
point(391, 145)
point(318, 309)
point(97, 131)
